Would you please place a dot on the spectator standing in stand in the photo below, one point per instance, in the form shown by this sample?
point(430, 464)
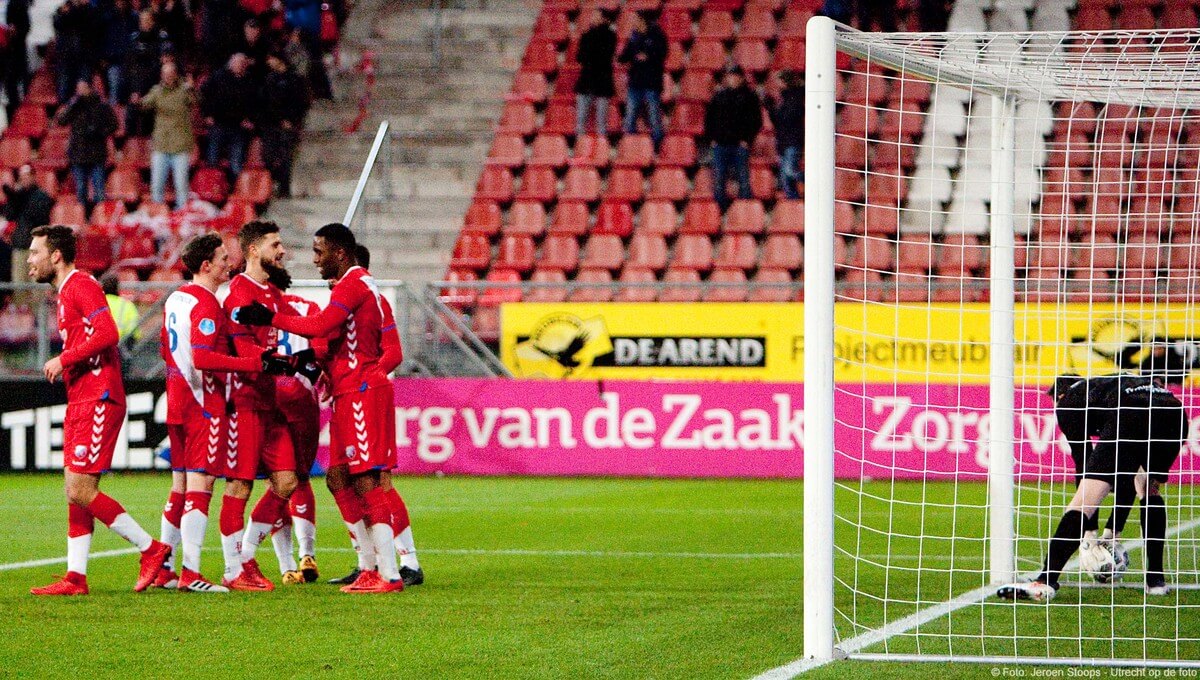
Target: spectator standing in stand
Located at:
point(285, 103)
point(92, 122)
point(228, 102)
point(171, 103)
point(120, 22)
point(787, 114)
point(16, 66)
point(75, 25)
point(646, 54)
point(597, 46)
point(731, 122)
point(28, 206)
point(143, 62)
point(177, 28)
point(254, 44)
point(305, 15)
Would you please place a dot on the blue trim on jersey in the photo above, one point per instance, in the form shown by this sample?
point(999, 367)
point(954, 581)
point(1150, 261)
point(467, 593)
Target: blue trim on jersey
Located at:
point(238, 335)
point(209, 347)
point(97, 311)
point(362, 387)
point(335, 302)
point(387, 328)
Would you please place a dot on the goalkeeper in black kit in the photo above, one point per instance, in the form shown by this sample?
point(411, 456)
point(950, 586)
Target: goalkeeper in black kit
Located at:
point(1140, 426)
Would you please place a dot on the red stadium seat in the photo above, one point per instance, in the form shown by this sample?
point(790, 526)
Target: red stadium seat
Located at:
point(603, 251)
point(634, 151)
point(553, 26)
point(517, 118)
point(771, 285)
point(459, 296)
point(209, 184)
point(559, 118)
point(52, 152)
point(93, 251)
point(676, 24)
point(687, 288)
point(880, 219)
point(715, 25)
point(668, 184)
point(591, 150)
point(911, 286)
point(701, 217)
point(541, 56)
point(495, 184)
point(254, 186)
point(559, 252)
point(745, 216)
point(570, 217)
point(707, 55)
point(549, 150)
point(873, 253)
point(614, 217)
point(731, 286)
point(30, 121)
point(758, 24)
point(687, 119)
point(752, 55)
point(914, 252)
point(647, 251)
point(506, 291)
point(516, 253)
point(15, 152)
point(788, 217)
point(526, 217)
point(794, 21)
point(959, 254)
point(530, 86)
point(107, 212)
point(861, 286)
point(696, 86)
point(483, 217)
point(135, 153)
point(789, 55)
point(581, 184)
point(677, 151)
point(593, 293)
point(736, 251)
point(693, 251)
point(624, 184)
point(69, 212)
point(471, 251)
point(783, 251)
point(508, 151)
point(538, 184)
point(658, 217)
point(553, 288)
point(636, 293)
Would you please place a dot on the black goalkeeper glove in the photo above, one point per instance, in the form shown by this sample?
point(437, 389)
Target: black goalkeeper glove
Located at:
point(306, 365)
point(253, 314)
point(277, 364)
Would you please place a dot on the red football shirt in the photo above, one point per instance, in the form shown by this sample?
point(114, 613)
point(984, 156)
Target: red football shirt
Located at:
point(354, 322)
point(195, 347)
point(90, 359)
point(252, 391)
point(294, 393)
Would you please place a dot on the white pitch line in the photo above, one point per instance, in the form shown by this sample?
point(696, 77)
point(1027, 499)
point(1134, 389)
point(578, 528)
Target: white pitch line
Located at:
point(924, 616)
point(49, 561)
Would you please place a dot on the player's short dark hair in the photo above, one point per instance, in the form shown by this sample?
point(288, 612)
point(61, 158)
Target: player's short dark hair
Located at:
point(254, 231)
point(110, 284)
point(340, 236)
point(199, 250)
point(1061, 384)
point(362, 255)
point(60, 238)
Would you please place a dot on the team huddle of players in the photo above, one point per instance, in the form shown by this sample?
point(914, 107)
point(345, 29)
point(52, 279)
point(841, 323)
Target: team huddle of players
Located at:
point(245, 380)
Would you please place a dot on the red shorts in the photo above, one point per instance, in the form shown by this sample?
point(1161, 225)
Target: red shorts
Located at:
point(362, 433)
point(197, 443)
point(305, 434)
point(259, 442)
point(90, 434)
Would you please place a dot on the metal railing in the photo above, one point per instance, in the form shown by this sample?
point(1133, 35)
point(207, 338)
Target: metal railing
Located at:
point(437, 340)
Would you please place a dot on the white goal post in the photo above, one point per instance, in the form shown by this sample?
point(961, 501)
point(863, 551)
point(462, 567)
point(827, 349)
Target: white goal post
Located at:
point(983, 212)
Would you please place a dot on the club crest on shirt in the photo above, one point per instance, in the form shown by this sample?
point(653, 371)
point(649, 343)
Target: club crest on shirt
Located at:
point(208, 326)
point(81, 451)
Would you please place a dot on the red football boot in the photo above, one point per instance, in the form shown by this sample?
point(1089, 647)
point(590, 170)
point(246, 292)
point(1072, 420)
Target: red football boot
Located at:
point(167, 578)
point(385, 587)
point(152, 563)
point(72, 584)
point(366, 582)
point(251, 579)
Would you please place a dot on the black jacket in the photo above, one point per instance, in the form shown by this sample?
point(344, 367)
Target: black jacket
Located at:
point(143, 60)
point(1089, 406)
point(284, 98)
point(788, 116)
point(228, 99)
point(646, 74)
point(75, 32)
point(734, 116)
point(595, 56)
point(92, 122)
point(29, 208)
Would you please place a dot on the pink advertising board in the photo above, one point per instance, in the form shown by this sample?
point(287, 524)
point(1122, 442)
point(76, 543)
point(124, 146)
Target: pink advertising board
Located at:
point(711, 429)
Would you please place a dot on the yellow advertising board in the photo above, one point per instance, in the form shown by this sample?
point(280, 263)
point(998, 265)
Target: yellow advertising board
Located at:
point(872, 343)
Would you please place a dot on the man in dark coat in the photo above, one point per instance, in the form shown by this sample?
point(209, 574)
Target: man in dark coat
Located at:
point(787, 114)
point(92, 122)
point(285, 103)
point(731, 123)
point(16, 68)
point(143, 61)
point(597, 46)
point(646, 54)
point(228, 103)
point(74, 43)
point(28, 207)
point(120, 21)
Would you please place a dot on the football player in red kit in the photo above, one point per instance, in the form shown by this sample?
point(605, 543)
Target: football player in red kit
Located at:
point(297, 399)
point(257, 432)
point(362, 433)
point(90, 367)
point(195, 346)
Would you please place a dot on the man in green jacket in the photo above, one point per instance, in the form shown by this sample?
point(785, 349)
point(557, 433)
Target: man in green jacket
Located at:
point(173, 141)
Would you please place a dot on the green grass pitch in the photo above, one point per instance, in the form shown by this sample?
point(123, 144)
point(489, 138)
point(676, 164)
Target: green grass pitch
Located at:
point(555, 578)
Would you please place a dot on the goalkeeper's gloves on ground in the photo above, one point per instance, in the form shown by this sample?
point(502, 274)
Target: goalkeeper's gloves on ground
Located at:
point(253, 314)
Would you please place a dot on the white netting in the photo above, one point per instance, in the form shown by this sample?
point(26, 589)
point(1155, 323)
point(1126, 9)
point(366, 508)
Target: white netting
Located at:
point(1106, 149)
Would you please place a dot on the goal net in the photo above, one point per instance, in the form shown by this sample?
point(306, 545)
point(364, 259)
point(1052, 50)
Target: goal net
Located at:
point(1005, 208)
